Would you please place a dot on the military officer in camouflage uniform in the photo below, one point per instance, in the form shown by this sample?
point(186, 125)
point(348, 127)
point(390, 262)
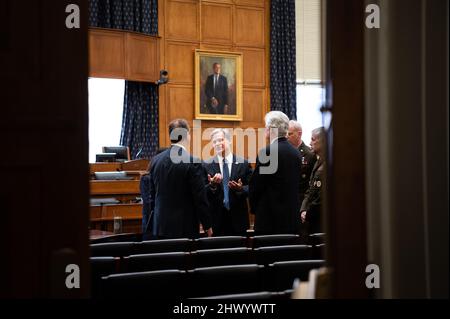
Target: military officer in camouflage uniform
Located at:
point(311, 207)
point(308, 159)
point(307, 156)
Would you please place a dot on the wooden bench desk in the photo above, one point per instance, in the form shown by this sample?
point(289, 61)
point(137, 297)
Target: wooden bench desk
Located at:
point(102, 216)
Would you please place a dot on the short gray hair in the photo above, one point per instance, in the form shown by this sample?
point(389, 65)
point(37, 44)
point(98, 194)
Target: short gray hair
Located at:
point(278, 120)
point(296, 125)
point(226, 133)
point(319, 132)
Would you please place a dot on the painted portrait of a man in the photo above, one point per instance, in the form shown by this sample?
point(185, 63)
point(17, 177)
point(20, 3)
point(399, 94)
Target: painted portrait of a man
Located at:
point(218, 85)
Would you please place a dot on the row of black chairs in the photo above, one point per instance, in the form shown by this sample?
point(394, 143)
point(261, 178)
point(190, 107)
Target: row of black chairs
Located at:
point(119, 249)
point(208, 258)
point(273, 295)
point(313, 239)
point(252, 279)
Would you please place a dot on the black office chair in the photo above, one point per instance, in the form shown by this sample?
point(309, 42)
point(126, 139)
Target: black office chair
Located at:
point(271, 254)
point(318, 251)
point(150, 284)
point(283, 295)
point(122, 152)
point(112, 249)
point(222, 257)
point(101, 266)
point(251, 295)
point(283, 274)
point(275, 240)
point(278, 295)
point(163, 246)
point(158, 261)
point(220, 242)
point(223, 280)
point(124, 237)
point(317, 239)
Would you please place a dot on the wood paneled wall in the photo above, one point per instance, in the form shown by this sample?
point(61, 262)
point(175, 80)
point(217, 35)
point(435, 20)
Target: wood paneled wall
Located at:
point(226, 25)
point(123, 55)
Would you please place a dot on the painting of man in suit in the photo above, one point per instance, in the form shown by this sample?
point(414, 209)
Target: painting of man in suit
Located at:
point(218, 92)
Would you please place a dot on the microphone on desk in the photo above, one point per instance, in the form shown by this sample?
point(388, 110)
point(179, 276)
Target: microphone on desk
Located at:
point(139, 152)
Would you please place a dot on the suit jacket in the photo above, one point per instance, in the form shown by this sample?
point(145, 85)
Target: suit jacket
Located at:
point(312, 201)
point(308, 160)
point(274, 197)
point(238, 214)
point(220, 92)
point(144, 186)
point(178, 201)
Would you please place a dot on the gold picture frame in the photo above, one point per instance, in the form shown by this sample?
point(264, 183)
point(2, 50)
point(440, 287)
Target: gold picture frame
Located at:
point(218, 85)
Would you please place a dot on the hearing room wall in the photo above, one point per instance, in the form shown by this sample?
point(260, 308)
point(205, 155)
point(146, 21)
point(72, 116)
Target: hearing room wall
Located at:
point(225, 25)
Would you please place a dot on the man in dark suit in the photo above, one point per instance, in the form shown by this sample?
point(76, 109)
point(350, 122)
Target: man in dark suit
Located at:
point(227, 187)
point(178, 201)
point(144, 186)
point(216, 90)
point(274, 185)
point(311, 207)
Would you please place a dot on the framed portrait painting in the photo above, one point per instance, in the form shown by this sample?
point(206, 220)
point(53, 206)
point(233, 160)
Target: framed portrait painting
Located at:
point(218, 85)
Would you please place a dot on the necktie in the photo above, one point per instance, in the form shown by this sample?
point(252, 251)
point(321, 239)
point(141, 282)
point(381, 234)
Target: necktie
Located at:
point(225, 180)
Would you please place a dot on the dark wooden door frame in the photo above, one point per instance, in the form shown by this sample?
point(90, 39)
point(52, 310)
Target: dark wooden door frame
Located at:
point(44, 191)
point(345, 196)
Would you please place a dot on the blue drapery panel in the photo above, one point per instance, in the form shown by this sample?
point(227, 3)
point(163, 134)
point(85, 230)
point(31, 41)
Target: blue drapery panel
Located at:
point(140, 131)
point(140, 119)
point(283, 82)
point(134, 15)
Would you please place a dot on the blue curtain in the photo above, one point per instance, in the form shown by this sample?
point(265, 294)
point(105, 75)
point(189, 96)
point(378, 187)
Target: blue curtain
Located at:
point(134, 15)
point(283, 96)
point(140, 119)
point(140, 131)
